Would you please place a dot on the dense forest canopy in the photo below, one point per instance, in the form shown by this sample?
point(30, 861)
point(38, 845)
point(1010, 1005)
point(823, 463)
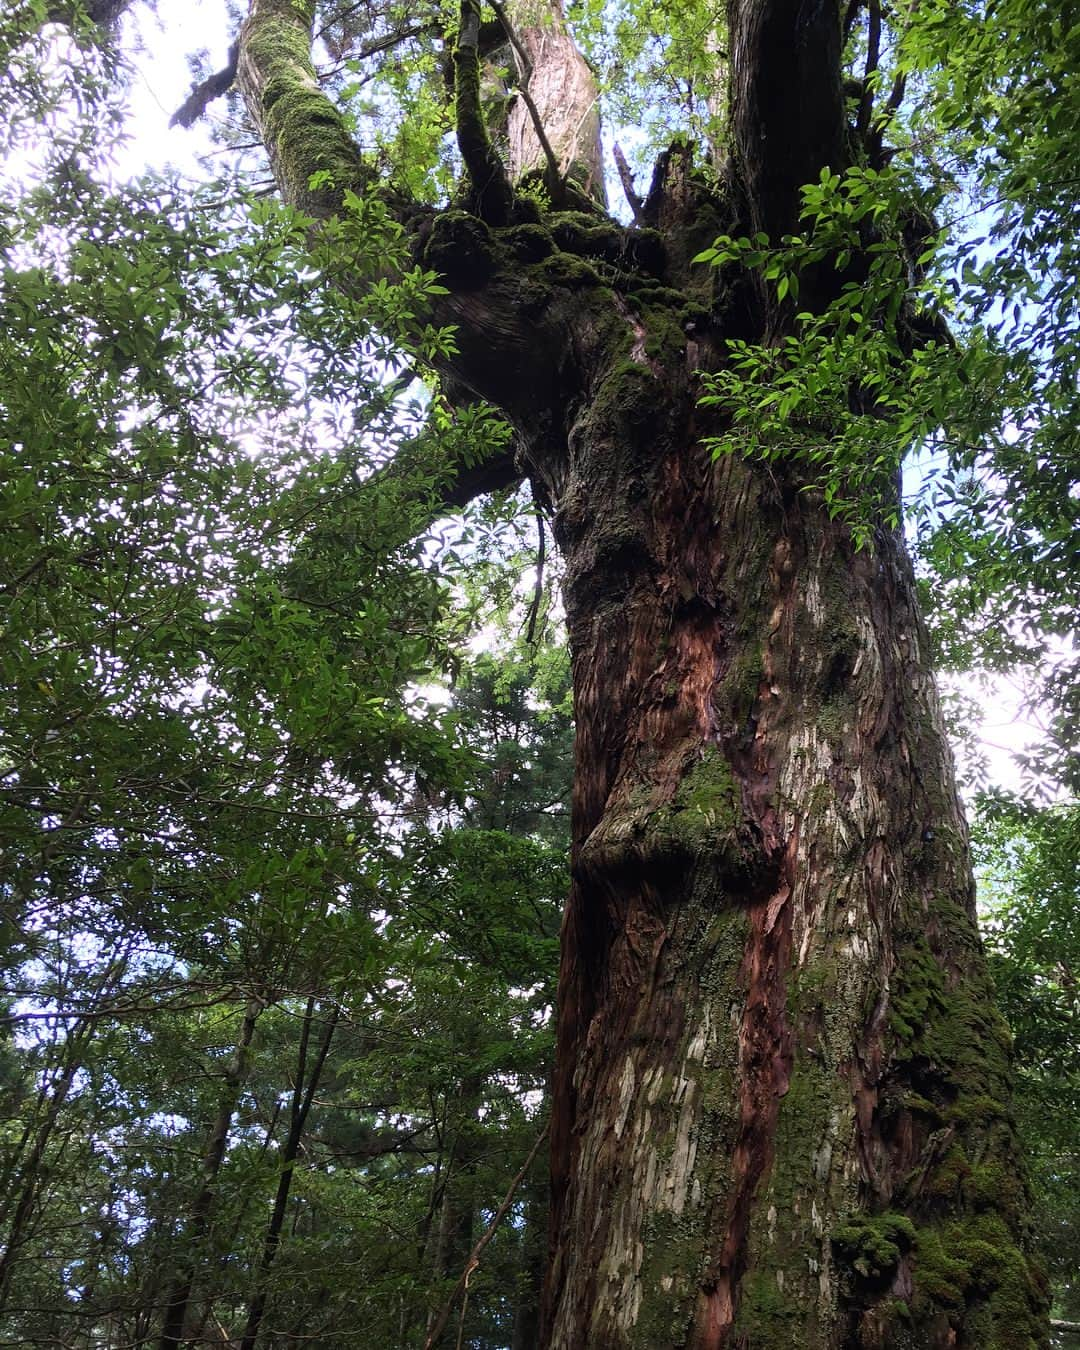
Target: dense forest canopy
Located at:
point(494, 476)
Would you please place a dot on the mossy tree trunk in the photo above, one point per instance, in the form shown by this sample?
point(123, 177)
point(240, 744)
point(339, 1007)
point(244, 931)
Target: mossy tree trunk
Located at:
point(780, 1115)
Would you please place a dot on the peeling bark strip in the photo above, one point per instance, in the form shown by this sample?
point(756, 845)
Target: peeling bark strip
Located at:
point(765, 1055)
point(780, 1111)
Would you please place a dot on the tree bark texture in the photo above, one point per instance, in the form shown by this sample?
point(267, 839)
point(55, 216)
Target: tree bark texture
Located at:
point(563, 91)
point(781, 1104)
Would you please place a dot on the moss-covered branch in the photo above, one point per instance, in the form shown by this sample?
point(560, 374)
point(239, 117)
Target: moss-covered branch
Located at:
point(312, 154)
point(486, 171)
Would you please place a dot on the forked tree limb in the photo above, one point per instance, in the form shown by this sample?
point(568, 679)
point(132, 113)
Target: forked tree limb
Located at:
point(315, 160)
point(626, 178)
point(214, 86)
point(303, 1096)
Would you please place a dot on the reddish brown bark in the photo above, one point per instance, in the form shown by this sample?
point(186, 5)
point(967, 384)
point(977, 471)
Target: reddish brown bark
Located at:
point(564, 95)
point(770, 880)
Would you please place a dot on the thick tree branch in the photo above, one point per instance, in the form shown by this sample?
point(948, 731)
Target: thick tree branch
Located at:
point(626, 178)
point(204, 93)
point(304, 133)
point(538, 589)
point(896, 94)
point(495, 475)
point(525, 70)
point(439, 482)
point(563, 96)
point(787, 103)
point(486, 171)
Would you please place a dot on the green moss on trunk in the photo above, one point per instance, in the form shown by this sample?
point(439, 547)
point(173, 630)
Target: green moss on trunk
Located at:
point(315, 158)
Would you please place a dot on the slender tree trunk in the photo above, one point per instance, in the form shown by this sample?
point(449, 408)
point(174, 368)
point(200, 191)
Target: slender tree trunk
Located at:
point(303, 1095)
point(454, 1220)
point(26, 1192)
point(22, 1175)
point(198, 1222)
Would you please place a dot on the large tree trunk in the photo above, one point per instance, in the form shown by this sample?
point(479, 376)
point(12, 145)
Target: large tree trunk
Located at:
point(781, 1109)
point(781, 1114)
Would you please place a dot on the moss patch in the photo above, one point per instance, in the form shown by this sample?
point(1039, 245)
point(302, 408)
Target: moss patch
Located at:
point(967, 1191)
point(872, 1248)
point(670, 1267)
point(577, 232)
point(528, 243)
point(461, 249)
point(767, 1318)
point(955, 1033)
point(627, 395)
point(737, 692)
point(974, 1266)
point(710, 789)
point(566, 269)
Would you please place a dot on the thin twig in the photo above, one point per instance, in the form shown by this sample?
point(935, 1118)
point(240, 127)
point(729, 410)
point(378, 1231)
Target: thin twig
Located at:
point(525, 70)
point(439, 1325)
